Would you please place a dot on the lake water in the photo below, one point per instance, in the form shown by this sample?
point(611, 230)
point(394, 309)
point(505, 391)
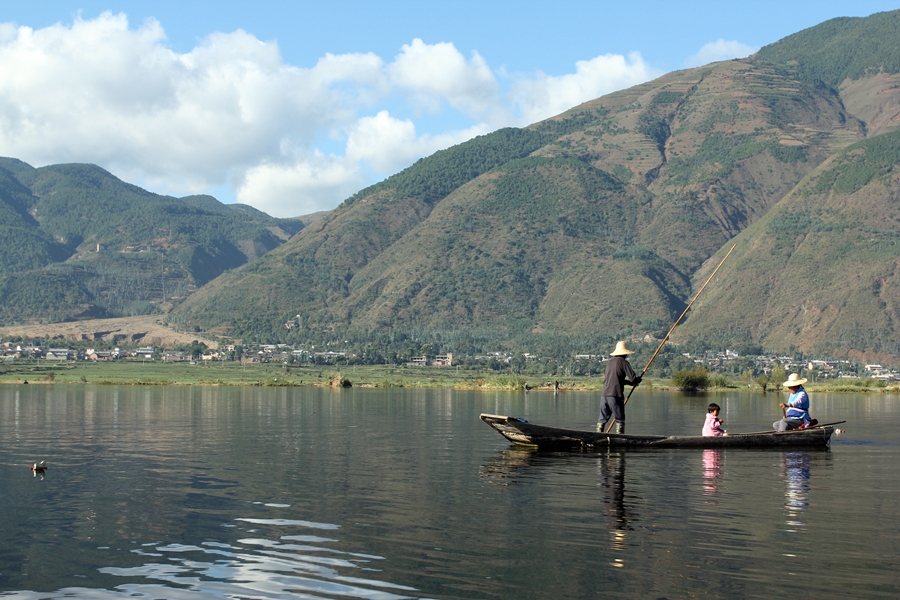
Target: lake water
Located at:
point(201, 492)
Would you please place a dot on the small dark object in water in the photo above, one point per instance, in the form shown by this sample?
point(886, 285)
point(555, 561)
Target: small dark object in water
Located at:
point(39, 467)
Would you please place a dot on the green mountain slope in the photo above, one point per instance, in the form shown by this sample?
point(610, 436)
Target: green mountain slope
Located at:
point(839, 49)
point(857, 57)
point(80, 242)
point(820, 271)
point(597, 223)
point(26, 247)
point(592, 221)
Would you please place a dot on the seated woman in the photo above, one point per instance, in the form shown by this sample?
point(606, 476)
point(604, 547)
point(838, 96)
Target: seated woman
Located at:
point(796, 415)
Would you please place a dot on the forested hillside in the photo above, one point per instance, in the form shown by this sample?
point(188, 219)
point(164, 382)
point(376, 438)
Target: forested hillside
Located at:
point(848, 48)
point(594, 223)
point(78, 242)
point(597, 224)
point(821, 271)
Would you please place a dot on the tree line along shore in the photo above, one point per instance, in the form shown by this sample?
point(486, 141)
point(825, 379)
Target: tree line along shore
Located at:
point(374, 376)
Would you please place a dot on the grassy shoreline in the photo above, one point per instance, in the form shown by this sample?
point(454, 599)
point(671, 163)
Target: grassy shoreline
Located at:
point(368, 376)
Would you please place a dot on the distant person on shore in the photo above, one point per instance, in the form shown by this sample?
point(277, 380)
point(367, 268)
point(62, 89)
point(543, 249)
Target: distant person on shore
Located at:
point(713, 425)
point(612, 398)
point(796, 410)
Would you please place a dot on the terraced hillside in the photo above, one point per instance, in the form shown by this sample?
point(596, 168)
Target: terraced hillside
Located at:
point(599, 220)
point(598, 223)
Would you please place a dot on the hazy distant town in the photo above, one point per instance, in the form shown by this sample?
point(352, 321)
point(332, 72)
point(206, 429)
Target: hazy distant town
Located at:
point(747, 367)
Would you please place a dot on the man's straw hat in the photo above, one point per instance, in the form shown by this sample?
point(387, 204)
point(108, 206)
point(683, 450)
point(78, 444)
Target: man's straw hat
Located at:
point(620, 350)
point(793, 380)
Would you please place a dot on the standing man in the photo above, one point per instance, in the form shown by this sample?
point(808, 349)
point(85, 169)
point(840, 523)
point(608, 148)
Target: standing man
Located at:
point(618, 373)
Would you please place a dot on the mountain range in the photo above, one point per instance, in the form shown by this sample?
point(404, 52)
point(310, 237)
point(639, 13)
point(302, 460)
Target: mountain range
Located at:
point(600, 223)
point(78, 243)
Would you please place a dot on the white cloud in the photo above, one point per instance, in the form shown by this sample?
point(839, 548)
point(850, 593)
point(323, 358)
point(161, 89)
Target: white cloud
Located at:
point(440, 72)
point(288, 139)
point(382, 141)
point(542, 96)
point(388, 144)
point(299, 188)
point(719, 50)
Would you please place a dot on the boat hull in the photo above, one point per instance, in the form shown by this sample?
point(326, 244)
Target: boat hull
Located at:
point(524, 433)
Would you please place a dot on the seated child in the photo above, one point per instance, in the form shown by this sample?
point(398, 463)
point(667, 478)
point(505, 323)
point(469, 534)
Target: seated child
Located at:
point(713, 424)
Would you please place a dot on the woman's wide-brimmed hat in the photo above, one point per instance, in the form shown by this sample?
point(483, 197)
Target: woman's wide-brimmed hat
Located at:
point(793, 380)
point(621, 350)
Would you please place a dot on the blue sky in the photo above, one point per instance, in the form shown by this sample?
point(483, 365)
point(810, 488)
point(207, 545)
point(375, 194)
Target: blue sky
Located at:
point(293, 106)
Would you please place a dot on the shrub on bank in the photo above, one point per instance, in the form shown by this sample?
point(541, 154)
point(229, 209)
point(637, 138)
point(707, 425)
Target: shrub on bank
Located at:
point(717, 380)
point(691, 380)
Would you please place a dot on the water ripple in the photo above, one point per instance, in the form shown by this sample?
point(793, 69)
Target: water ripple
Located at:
point(289, 522)
point(258, 568)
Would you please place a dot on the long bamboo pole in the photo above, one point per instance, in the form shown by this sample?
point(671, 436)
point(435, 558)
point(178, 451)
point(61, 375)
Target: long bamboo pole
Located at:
point(674, 325)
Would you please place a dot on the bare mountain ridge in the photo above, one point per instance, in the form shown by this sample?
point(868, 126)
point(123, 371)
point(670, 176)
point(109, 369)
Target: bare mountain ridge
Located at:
point(601, 226)
point(821, 271)
point(602, 221)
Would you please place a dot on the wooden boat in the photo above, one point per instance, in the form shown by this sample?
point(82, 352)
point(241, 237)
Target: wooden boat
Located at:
point(520, 431)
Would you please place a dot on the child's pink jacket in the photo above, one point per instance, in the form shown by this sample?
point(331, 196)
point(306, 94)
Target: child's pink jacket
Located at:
point(712, 426)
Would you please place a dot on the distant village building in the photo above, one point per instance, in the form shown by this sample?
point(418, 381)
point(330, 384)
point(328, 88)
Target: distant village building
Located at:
point(444, 360)
point(100, 355)
point(59, 354)
point(418, 361)
point(144, 352)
